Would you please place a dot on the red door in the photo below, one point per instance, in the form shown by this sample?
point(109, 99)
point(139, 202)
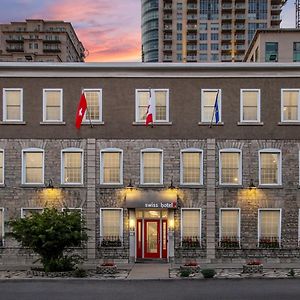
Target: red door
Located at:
point(152, 239)
point(164, 238)
point(139, 249)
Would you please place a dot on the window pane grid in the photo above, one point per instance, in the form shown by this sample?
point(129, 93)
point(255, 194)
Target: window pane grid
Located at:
point(191, 167)
point(111, 167)
point(250, 105)
point(160, 105)
point(190, 223)
point(269, 168)
point(13, 105)
point(208, 103)
point(1, 227)
point(230, 224)
point(143, 102)
point(1, 167)
point(72, 167)
point(53, 105)
point(290, 105)
point(269, 224)
point(33, 167)
point(111, 226)
point(152, 167)
point(230, 168)
point(93, 103)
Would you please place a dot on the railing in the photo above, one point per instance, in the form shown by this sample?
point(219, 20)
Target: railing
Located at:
point(12, 49)
point(227, 6)
point(229, 242)
point(227, 27)
point(191, 47)
point(192, 37)
point(240, 17)
point(226, 47)
point(275, 7)
point(269, 242)
point(111, 241)
point(192, 6)
point(240, 6)
point(226, 58)
point(192, 17)
point(167, 58)
point(168, 6)
point(192, 27)
point(276, 18)
point(189, 242)
point(226, 17)
point(168, 37)
point(191, 58)
point(167, 17)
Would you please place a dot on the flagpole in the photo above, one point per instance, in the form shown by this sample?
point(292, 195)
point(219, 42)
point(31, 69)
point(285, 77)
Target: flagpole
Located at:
point(151, 104)
point(212, 117)
point(87, 110)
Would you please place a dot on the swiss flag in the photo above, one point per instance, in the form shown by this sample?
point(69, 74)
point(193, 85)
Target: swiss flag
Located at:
point(82, 106)
point(150, 111)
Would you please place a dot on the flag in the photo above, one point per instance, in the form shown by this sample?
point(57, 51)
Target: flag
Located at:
point(82, 106)
point(216, 109)
point(150, 110)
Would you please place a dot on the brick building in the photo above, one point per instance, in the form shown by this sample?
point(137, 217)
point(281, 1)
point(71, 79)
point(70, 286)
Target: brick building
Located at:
point(178, 191)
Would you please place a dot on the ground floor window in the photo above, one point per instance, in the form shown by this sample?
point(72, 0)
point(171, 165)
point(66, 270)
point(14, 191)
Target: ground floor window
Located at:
point(190, 227)
point(229, 227)
point(28, 211)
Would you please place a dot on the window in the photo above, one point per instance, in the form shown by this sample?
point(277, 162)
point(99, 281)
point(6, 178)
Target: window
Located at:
point(203, 57)
point(250, 105)
point(203, 47)
point(214, 47)
point(203, 36)
point(270, 167)
point(179, 47)
point(111, 227)
point(214, 36)
point(179, 26)
point(52, 105)
point(214, 26)
point(290, 99)
point(111, 166)
point(72, 166)
point(271, 51)
point(29, 211)
point(94, 106)
point(179, 56)
point(33, 166)
point(296, 51)
point(1, 227)
point(203, 26)
point(1, 166)
point(214, 57)
point(230, 168)
point(269, 228)
point(229, 236)
point(191, 163)
point(190, 227)
point(12, 105)
point(151, 166)
point(159, 99)
point(208, 100)
point(179, 36)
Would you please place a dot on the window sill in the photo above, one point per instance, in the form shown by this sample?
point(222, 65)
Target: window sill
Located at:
point(288, 123)
point(88, 123)
point(33, 185)
point(153, 185)
point(154, 124)
point(72, 185)
point(270, 186)
point(192, 186)
point(12, 123)
point(250, 123)
point(230, 186)
point(210, 124)
point(53, 123)
point(111, 186)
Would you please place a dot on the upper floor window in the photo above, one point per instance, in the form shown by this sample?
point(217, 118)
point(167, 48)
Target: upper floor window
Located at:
point(191, 166)
point(296, 51)
point(230, 168)
point(270, 167)
point(209, 97)
point(290, 99)
point(12, 104)
point(250, 105)
point(1, 166)
point(52, 105)
point(271, 53)
point(229, 227)
point(160, 101)
point(94, 105)
point(72, 166)
point(191, 227)
point(29, 211)
point(1, 227)
point(33, 166)
point(151, 166)
point(111, 166)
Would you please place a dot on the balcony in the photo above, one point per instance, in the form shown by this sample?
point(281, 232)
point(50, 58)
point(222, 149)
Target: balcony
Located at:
point(275, 18)
point(191, 58)
point(276, 7)
point(49, 50)
point(192, 17)
point(226, 47)
point(226, 6)
point(168, 6)
point(240, 6)
point(240, 17)
point(168, 37)
point(226, 58)
point(240, 27)
point(191, 47)
point(192, 27)
point(168, 27)
point(15, 49)
point(226, 27)
point(192, 6)
point(240, 47)
point(226, 37)
point(167, 47)
point(51, 41)
point(168, 17)
point(240, 37)
point(14, 40)
point(167, 58)
point(192, 37)
point(226, 17)
point(239, 58)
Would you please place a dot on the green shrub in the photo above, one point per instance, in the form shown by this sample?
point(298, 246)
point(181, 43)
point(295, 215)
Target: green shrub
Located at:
point(80, 273)
point(208, 273)
point(291, 273)
point(185, 273)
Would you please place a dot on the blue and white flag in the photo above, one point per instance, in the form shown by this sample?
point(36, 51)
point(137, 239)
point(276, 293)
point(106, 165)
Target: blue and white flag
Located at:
point(216, 109)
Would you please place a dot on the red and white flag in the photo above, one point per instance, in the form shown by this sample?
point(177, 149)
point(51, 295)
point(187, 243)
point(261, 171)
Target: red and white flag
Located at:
point(82, 106)
point(150, 111)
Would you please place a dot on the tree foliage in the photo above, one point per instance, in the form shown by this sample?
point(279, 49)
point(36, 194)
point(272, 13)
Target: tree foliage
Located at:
point(49, 234)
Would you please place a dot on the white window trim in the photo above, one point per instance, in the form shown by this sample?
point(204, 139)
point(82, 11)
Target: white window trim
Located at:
point(270, 150)
point(191, 150)
point(4, 105)
point(282, 118)
point(150, 150)
point(30, 208)
point(298, 227)
point(200, 225)
point(219, 104)
point(85, 119)
point(154, 101)
point(121, 220)
point(239, 224)
point(32, 150)
point(3, 171)
point(279, 227)
point(240, 179)
point(62, 173)
point(111, 150)
point(258, 113)
point(3, 223)
point(44, 105)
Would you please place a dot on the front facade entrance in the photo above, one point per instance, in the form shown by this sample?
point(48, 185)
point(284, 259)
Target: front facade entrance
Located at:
point(151, 234)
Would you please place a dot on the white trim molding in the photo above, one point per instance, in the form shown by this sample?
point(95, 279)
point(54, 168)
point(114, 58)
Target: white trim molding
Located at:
point(37, 209)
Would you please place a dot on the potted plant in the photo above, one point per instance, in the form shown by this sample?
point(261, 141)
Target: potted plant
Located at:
point(107, 268)
point(253, 266)
point(190, 267)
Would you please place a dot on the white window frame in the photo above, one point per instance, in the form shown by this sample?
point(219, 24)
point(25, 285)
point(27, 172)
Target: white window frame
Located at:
point(32, 150)
point(137, 120)
point(150, 150)
point(279, 227)
point(240, 179)
point(191, 150)
point(85, 119)
point(219, 104)
point(258, 113)
point(5, 102)
point(3, 167)
point(270, 150)
point(282, 117)
point(200, 225)
point(30, 208)
point(45, 106)
point(298, 227)
point(3, 223)
point(62, 170)
point(111, 150)
point(239, 220)
point(121, 220)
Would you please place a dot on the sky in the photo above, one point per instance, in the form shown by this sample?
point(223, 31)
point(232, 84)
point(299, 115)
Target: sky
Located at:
point(109, 29)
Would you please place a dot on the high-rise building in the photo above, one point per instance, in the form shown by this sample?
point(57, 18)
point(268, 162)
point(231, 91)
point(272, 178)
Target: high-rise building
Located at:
point(204, 30)
point(39, 40)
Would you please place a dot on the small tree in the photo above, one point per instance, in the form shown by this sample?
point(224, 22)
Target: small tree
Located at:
point(49, 234)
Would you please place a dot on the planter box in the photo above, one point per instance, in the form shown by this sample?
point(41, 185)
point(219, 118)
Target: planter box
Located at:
point(107, 269)
point(251, 269)
point(191, 269)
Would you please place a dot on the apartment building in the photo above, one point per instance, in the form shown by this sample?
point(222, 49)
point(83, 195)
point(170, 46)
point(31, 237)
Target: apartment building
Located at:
point(187, 188)
point(204, 30)
point(40, 41)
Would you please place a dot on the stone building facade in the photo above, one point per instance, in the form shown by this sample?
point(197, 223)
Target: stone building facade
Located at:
point(218, 192)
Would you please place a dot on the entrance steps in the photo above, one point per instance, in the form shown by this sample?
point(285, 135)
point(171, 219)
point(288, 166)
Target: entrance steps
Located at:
point(149, 271)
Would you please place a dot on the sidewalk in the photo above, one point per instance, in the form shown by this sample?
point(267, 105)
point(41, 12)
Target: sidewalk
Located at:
point(149, 271)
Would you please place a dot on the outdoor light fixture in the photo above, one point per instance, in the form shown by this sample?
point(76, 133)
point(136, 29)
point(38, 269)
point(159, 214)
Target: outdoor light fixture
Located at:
point(130, 185)
point(172, 187)
point(252, 185)
point(50, 184)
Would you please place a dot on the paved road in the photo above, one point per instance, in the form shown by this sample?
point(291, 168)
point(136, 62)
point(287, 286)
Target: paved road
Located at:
point(274, 289)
